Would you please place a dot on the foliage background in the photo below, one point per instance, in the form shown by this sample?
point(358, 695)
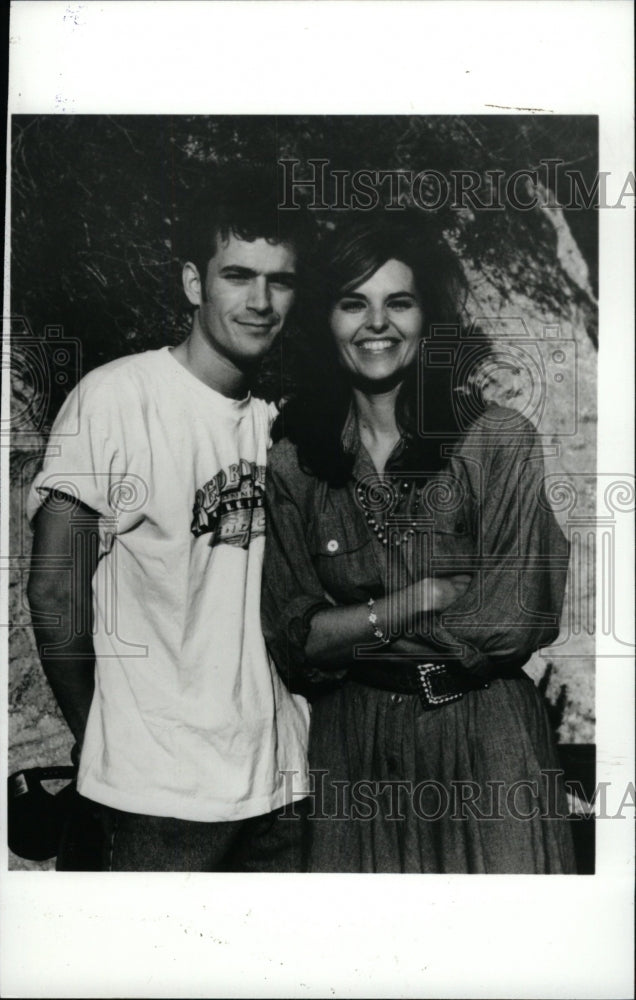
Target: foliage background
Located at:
point(95, 201)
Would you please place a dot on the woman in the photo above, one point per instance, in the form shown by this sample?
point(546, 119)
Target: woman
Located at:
point(412, 567)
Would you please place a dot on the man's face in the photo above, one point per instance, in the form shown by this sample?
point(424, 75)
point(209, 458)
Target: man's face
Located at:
point(246, 296)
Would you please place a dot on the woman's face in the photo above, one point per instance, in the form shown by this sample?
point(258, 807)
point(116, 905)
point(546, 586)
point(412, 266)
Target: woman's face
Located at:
point(377, 326)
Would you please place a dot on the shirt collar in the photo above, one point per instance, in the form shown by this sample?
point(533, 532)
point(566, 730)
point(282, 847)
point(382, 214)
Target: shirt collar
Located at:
point(350, 437)
point(352, 445)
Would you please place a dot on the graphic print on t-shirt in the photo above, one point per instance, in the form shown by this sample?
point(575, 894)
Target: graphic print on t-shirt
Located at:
point(230, 505)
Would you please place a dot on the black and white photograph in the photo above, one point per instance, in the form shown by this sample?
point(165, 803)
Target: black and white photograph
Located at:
point(316, 521)
point(421, 345)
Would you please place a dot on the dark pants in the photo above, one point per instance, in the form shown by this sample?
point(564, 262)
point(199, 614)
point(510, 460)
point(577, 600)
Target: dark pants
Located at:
point(273, 842)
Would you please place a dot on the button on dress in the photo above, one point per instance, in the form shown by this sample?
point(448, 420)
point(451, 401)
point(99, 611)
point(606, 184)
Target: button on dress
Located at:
point(474, 785)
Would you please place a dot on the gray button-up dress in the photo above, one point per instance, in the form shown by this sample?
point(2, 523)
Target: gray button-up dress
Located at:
point(471, 786)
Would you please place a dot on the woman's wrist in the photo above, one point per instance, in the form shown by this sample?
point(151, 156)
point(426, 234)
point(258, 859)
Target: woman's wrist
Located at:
point(377, 630)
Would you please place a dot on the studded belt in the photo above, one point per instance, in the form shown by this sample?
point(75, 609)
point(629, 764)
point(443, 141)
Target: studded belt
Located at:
point(436, 684)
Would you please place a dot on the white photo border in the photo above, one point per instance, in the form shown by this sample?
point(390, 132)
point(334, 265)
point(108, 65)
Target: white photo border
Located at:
point(346, 936)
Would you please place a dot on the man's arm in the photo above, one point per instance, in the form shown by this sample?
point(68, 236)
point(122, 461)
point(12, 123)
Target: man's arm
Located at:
point(63, 561)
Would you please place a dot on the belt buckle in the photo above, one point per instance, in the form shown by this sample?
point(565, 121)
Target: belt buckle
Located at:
point(426, 671)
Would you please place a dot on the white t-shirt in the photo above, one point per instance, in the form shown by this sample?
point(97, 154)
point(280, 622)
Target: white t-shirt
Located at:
point(190, 718)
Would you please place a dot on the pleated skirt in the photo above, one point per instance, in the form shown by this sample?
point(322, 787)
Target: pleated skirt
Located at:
point(470, 787)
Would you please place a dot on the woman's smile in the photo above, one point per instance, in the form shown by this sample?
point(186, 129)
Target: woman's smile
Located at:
point(376, 346)
point(377, 326)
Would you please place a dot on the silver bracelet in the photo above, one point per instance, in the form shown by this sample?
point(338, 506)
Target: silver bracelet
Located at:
point(373, 621)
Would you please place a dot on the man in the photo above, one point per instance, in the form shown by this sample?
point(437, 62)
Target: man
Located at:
point(156, 505)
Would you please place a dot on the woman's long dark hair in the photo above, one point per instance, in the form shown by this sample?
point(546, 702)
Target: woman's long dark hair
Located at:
point(427, 407)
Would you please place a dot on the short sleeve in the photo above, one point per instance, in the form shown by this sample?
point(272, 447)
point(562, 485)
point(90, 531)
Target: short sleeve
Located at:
point(96, 453)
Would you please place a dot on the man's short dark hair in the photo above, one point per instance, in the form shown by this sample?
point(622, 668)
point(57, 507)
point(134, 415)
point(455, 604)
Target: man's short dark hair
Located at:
point(243, 203)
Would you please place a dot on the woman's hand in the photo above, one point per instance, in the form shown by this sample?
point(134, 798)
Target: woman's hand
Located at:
point(334, 632)
point(447, 589)
point(431, 595)
point(436, 593)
